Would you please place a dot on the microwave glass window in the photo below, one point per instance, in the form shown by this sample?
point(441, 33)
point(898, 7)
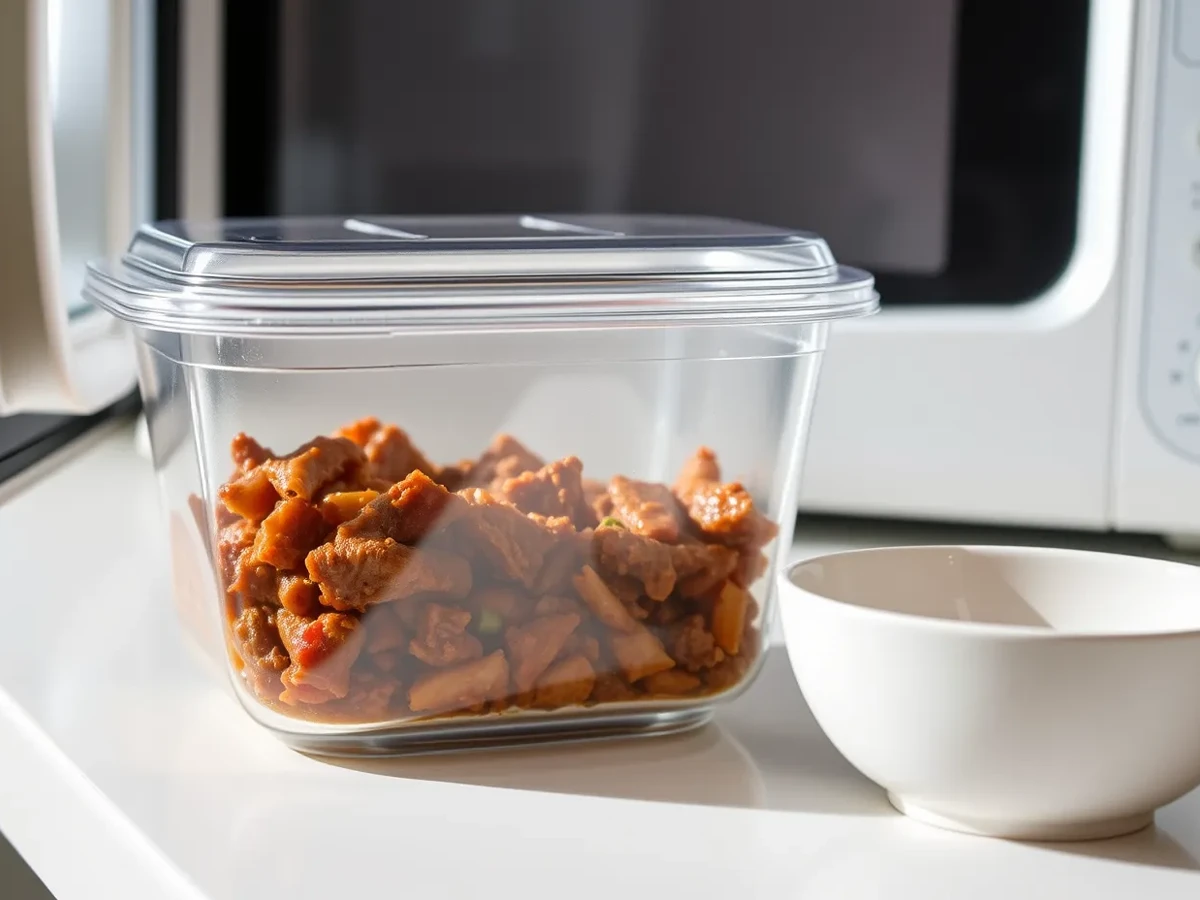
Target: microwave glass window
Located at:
point(75, 55)
point(935, 143)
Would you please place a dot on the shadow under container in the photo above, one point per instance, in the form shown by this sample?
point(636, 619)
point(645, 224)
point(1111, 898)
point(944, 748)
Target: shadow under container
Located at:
point(448, 482)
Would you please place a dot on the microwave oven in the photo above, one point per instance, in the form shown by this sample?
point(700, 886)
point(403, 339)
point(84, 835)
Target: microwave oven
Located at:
point(1023, 178)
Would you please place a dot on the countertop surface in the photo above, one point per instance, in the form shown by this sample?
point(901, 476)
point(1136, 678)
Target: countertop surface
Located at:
point(127, 771)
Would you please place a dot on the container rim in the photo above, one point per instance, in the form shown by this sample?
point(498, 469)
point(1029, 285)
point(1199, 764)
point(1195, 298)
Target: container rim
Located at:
point(374, 309)
point(983, 630)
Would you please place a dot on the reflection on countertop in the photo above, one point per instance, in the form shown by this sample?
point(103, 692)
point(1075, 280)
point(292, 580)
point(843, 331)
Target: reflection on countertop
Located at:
point(764, 751)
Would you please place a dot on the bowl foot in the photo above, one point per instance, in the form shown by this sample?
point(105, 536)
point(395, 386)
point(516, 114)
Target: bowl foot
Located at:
point(1024, 829)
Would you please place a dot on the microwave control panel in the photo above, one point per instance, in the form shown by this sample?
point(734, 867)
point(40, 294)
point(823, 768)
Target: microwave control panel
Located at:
point(1171, 338)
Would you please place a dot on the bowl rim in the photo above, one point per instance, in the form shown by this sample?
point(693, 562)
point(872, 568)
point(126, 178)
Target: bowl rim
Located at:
point(976, 629)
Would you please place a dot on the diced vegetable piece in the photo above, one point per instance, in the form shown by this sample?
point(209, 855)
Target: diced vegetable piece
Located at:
point(729, 617)
point(489, 622)
point(671, 681)
point(603, 603)
point(565, 683)
point(462, 687)
point(640, 654)
point(533, 647)
point(509, 604)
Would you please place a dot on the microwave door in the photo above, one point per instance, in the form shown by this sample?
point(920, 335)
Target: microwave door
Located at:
point(73, 179)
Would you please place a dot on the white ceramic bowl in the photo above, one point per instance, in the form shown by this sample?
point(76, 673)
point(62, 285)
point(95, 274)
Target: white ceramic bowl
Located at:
point(1016, 692)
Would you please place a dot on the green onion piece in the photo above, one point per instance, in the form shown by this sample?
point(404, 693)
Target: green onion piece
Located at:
point(489, 622)
point(610, 522)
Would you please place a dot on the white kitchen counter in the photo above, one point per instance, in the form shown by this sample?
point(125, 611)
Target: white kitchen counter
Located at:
point(126, 771)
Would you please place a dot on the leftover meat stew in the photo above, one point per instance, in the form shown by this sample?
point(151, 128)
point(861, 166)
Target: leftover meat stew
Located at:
point(364, 582)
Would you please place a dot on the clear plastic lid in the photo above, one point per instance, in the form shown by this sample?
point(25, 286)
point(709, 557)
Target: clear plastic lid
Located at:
point(293, 275)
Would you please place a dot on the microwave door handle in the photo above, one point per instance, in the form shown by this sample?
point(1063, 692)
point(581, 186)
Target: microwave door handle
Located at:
point(52, 360)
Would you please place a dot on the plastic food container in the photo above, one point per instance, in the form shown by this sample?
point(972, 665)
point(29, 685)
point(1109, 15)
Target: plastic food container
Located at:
point(450, 482)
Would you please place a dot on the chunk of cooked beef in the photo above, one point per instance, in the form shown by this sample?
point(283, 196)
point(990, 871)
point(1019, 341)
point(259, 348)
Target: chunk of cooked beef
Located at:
point(254, 583)
point(671, 682)
point(371, 696)
point(751, 635)
point(247, 453)
point(442, 638)
point(726, 674)
point(513, 544)
point(597, 497)
point(257, 643)
point(612, 688)
point(700, 469)
point(639, 654)
point(385, 633)
point(618, 551)
point(453, 477)
point(361, 431)
point(751, 565)
point(700, 568)
point(641, 611)
point(231, 541)
point(309, 468)
point(392, 456)
point(221, 515)
point(342, 506)
point(387, 660)
point(258, 638)
point(721, 512)
point(354, 573)
point(533, 647)
point(286, 536)
point(251, 495)
point(506, 604)
point(556, 489)
point(565, 683)
point(407, 613)
point(584, 645)
point(626, 588)
point(505, 457)
point(667, 613)
point(645, 508)
point(555, 605)
point(299, 595)
point(563, 559)
point(461, 687)
point(693, 645)
point(406, 512)
point(603, 603)
point(321, 651)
